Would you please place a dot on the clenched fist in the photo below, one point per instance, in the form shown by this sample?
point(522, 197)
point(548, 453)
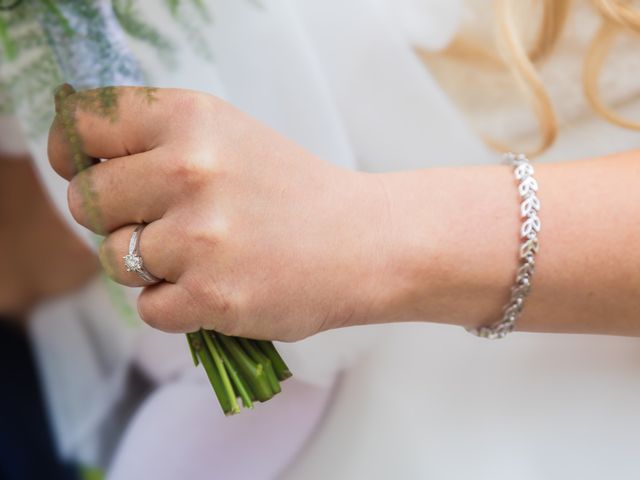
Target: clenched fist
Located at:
point(250, 234)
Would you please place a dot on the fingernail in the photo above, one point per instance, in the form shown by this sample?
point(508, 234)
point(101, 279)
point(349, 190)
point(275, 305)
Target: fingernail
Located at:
point(60, 93)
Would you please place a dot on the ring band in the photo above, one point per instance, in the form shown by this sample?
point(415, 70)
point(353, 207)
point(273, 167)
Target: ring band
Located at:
point(133, 260)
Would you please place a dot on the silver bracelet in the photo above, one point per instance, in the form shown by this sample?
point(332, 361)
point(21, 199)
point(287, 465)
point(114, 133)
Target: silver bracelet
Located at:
point(529, 208)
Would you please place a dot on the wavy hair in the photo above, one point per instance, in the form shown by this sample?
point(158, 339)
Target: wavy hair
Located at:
point(521, 60)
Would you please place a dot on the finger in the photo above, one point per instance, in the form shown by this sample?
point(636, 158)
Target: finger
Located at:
point(187, 306)
point(120, 192)
point(64, 151)
point(159, 246)
point(168, 307)
point(118, 121)
point(63, 143)
point(105, 123)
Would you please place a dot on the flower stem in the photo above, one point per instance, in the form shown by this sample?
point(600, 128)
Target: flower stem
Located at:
point(224, 377)
point(198, 343)
point(238, 368)
point(280, 367)
point(253, 372)
point(240, 387)
point(194, 357)
point(259, 357)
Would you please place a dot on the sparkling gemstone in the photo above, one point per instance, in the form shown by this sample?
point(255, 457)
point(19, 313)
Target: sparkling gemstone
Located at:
point(132, 262)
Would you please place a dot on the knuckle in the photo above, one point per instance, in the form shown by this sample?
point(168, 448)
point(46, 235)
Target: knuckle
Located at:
point(191, 171)
point(216, 308)
point(226, 318)
point(190, 104)
point(216, 303)
point(206, 237)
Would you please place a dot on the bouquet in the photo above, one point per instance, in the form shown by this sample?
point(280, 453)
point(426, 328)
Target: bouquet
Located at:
point(44, 43)
point(237, 368)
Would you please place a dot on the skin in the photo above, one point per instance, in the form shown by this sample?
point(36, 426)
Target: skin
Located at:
point(40, 257)
point(254, 236)
point(587, 277)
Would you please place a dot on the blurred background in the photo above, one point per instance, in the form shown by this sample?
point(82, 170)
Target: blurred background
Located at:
point(84, 385)
point(41, 258)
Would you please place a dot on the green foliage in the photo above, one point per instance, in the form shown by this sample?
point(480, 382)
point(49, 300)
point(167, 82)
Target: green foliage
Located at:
point(8, 44)
point(53, 9)
point(101, 101)
point(89, 473)
point(149, 94)
point(201, 7)
point(133, 24)
point(173, 6)
point(188, 16)
point(30, 68)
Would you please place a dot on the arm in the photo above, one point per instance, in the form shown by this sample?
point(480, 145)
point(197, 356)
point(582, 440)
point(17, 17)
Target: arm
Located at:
point(253, 236)
point(458, 238)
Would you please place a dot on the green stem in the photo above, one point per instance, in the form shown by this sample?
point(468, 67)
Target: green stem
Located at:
point(202, 9)
point(224, 377)
point(247, 380)
point(8, 44)
point(241, 388)
point(279, 365)
point(198, 343)
point(254, 373)
point(259, 357)
point(194, 357)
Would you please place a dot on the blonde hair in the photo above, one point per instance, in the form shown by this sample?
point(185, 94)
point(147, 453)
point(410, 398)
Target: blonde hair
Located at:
point(617, 16)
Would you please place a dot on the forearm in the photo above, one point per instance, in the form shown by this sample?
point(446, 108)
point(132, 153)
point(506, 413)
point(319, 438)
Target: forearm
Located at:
point(457, 236)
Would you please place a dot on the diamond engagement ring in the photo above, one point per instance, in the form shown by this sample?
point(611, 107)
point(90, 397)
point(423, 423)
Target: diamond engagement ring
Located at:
point(133, 260)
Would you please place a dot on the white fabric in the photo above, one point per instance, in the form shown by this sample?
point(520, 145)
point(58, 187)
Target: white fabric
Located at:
point(437, 403)
point(394, 111)
point(180, 434)
point(428, 23)
point(430, 401)
point(12, 143)
point(83, 363)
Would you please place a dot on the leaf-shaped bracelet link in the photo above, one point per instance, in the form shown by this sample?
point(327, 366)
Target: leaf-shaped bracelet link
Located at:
point(529, 208)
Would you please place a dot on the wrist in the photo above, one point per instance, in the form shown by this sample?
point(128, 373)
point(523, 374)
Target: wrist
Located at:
point(451, 233)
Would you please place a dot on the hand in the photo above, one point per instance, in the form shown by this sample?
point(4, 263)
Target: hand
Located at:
point(39, 256)
point(252, 235)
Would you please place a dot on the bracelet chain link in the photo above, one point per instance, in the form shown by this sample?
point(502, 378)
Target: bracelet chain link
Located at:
point(529, 208)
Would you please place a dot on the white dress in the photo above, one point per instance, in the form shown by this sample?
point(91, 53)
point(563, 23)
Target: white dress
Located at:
point(415, 400)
